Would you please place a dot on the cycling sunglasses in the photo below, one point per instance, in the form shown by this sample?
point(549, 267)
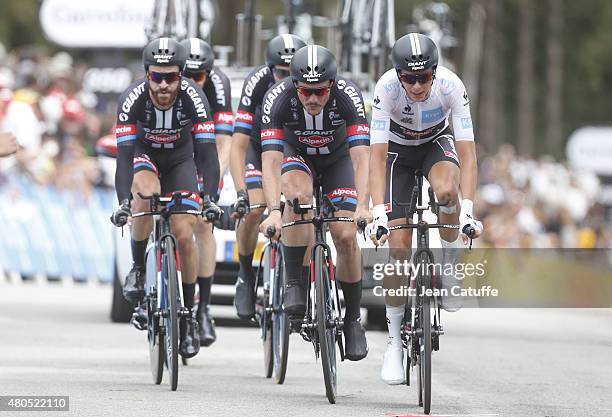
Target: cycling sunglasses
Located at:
point(422, 78)
point(198, 77)
point(170, 77)
point(307, 92)
point(280, 72)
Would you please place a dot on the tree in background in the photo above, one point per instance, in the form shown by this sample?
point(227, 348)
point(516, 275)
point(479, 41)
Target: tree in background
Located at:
point(526, 73)
point(554, 79)
point(488, 108)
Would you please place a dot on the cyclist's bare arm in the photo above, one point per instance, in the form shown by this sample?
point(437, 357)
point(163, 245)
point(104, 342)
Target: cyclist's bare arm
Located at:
point(239, 145)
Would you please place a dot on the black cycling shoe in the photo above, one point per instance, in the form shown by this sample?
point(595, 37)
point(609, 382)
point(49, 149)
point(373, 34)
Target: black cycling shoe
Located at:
point(356, 346)
point(139, 317)
point(206, 325)
point(244, 300)
point(133, 289)
point(295, 300)
point(190, 341)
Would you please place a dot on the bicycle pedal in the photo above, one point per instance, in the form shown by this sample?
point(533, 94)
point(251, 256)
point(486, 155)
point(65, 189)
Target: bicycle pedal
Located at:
point(254, 320)
point(435, 342)
point(341, 348)
point(139, 321)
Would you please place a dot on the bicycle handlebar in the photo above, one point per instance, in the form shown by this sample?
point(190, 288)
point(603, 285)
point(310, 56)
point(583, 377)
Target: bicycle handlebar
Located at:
point(173, 212)
point(469, 231)
point(324, 220)
point(361, 224)
point(156, 200)
point(270, 232)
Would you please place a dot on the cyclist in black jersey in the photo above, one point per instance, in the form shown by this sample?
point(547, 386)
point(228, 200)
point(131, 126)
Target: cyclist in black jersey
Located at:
point(163, 124)
point(314, 128)
point(246, 160)
point(216, 86)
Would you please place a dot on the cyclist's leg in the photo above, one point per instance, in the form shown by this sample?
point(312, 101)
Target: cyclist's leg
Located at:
point(246, 234)
point(296, 182)
point(207, 253)
point(442, 169)
point(339, 185)
point(400, 182)
point(146, 182)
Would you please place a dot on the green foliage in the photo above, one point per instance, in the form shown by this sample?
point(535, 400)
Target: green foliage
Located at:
point(19, 23)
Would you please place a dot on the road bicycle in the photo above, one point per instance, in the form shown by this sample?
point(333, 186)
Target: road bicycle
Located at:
point(422, 326)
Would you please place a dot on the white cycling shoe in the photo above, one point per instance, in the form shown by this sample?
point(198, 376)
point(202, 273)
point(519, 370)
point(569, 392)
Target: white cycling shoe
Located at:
point(393, 372)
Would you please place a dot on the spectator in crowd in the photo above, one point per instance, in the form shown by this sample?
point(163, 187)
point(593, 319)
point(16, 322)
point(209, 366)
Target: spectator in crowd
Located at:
point(541, 203)
point(8, 144)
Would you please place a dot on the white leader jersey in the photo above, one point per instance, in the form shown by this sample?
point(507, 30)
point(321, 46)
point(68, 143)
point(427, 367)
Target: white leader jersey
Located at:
point(398, 119)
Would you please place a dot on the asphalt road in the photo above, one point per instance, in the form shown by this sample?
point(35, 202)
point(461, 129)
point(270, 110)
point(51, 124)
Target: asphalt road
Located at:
point(58, 340)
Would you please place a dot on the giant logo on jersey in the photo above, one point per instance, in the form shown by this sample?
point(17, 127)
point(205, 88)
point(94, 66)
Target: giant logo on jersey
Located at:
point(271, 97)
point(249, 85)
point(200, 108)
point(354, 95)
point(220, 91)
point(127, 104)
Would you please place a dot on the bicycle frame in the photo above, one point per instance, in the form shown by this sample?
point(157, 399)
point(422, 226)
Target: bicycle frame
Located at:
point(164, 294)
point(419, 334)
point(319, 220)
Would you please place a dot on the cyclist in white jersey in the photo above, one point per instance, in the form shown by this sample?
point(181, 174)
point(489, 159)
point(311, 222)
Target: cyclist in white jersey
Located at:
point(415, 105)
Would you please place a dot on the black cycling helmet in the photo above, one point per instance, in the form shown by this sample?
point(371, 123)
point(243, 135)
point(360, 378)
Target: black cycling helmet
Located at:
point(414, 52)
point(281, 49)
point(165, 52)
point(313, 64)
point(200, 56)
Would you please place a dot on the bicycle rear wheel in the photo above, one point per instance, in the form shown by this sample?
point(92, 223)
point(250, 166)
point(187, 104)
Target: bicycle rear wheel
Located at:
point(325, 324)
point(280, 321)
point(172, 305)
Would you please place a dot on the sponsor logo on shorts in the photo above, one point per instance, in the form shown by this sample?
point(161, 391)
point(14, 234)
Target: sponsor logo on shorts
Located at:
point(294, 159)
point(252, 173)
point(343, 192)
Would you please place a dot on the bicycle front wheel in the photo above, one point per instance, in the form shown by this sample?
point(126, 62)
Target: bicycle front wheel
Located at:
point(424, 307)
point(326, 330)
point(170, 281)
point(265, 321)
point(156, 342)
point(280, 321)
